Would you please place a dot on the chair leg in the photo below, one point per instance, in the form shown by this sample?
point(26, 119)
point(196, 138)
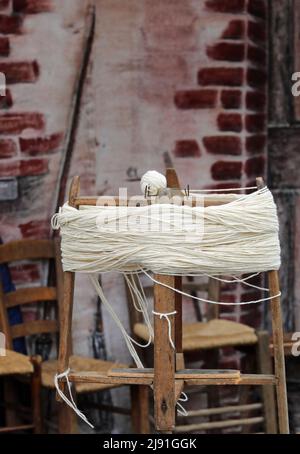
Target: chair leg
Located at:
point(213, 394)
point(164, 357)
point(264, 365)
point(10, 401)
point(278, 354)
point(67, 419)
point(245, 392)
point(36, 389)
point(140, 409)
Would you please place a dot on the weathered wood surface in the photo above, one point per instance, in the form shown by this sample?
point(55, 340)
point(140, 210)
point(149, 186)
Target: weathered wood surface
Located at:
point(279, 361)
point(280, 51)
point(268, 395)
point(164, 356)
point(284, 158)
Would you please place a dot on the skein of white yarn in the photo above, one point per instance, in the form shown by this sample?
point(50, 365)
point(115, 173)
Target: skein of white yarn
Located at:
point(154, 181)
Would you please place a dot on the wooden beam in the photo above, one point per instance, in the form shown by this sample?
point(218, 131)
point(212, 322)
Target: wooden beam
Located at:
point(278, 353)
point(164, 356)
point(218, 424)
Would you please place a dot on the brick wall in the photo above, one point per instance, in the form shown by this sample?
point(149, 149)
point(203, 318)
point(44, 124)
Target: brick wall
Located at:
point(34, 111)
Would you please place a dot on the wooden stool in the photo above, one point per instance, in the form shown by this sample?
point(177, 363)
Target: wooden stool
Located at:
point(169, 377)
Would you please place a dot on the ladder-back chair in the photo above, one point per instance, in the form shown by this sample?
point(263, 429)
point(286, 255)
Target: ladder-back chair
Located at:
point(55, 325)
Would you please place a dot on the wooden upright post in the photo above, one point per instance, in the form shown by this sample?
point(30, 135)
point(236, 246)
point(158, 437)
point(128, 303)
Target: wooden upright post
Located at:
point(277, 328)
point(279, 364)
point(67, 423)
point(164, 356)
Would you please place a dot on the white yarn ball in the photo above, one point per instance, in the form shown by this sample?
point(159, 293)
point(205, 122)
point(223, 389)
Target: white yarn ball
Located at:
point(154, 180)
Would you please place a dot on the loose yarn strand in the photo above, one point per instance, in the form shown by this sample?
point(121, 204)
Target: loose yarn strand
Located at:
point(197, 298)
point(70, 402)
point(166, 316)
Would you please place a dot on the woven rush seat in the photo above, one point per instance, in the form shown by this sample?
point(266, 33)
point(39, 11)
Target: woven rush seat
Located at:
point(205, 335)
point(15, 363)
point(80, 364)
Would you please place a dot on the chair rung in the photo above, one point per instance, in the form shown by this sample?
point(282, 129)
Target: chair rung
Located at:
point(16, 428)
point(218, 424)
point(222, 410)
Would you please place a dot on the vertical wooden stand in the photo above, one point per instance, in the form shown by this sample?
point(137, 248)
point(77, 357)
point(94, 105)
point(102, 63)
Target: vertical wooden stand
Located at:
point(279, 362)
point(169, 375)
point(66, 416)
point(164, 357)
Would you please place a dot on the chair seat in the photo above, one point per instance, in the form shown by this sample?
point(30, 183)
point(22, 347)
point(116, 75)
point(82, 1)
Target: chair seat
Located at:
point(15, 363)
point(80, 364)
point(204, 335)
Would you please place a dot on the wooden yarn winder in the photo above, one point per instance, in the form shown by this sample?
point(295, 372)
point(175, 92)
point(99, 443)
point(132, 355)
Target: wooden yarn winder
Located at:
point(168, 377)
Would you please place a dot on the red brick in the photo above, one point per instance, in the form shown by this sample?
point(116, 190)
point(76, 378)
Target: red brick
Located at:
point(20, 72)
point(10, 24)
point(9, 168)
point(187, 149)
point(27, 272)
point(228, 298)
point(4, 4)
point(257, 8)
point(40, 145)
point(6, 101)
point(255, 123)
point(37, 229)
point(255, 167)
point(257, 55)
point(251, 296)
point(232, 364)
point(15, 123)
point(251, 319)
point(256, 144)
point(223, 145)
point(4, 46)
point(32, 6)
point(8, 148)
point(226, 6)
point(30, 167)
point(231, 99)
point(224, 310)
point(221, 76)
point(226, 51)
point(228, 287)
point(196, 99)
point(226, 170)
point(256, 100)
point(33, 167)
point(230, 122)
point(256, 78)
point(234, 30)
point(257, 32)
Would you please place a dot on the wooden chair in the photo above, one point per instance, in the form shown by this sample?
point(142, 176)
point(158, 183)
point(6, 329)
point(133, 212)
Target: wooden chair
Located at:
point(15, 363)
point(169, 377)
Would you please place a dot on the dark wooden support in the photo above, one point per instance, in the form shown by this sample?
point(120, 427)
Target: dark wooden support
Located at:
point(36, 393)
point(164, 357)
point(279, 362)
point(66, 417)
point(140, 409)
point(264, 364)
